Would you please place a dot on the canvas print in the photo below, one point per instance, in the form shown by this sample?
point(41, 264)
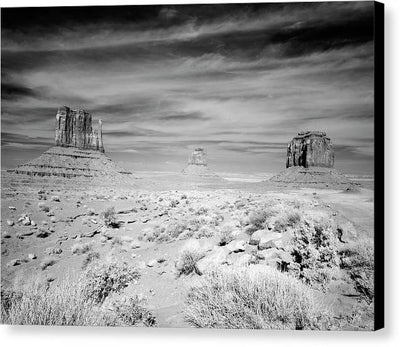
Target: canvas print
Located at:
point(192, 166)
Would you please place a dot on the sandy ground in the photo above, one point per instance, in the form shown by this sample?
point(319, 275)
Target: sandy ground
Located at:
point(76, 217)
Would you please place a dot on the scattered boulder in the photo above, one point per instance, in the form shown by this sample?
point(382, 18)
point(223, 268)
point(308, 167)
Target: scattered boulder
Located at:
point(267, 238)
point(43, 207)
point(42, 233)
point(15, 262)
point(236, 246)
point(347, 232)
point(215, 258)
point(152, 263)
point(53, 250)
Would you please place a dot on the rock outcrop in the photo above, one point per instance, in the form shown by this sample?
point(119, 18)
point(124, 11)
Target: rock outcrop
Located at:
point(197, 165)
point(74, 129)
point(310, 148)
point(309, 160)
point(78, 153)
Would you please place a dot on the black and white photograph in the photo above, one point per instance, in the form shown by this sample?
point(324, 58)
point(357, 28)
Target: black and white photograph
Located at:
point(193, 166)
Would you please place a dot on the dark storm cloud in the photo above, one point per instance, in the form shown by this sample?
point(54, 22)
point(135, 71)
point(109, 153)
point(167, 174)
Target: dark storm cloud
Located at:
point(11, 91)
point(239, 79)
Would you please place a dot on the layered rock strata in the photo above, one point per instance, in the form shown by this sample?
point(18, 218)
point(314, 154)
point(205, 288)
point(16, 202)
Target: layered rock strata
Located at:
point(74, 129)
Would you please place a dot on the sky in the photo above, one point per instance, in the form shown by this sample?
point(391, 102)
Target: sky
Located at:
point(239, 80)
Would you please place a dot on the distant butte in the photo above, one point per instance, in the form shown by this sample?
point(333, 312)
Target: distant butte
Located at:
point(309, 160)
point(197, 165)
point(310, 148)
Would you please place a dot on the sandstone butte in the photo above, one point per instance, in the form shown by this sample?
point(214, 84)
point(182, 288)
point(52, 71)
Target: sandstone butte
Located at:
point(310, 159)
point(197, 165)
point(78, 151)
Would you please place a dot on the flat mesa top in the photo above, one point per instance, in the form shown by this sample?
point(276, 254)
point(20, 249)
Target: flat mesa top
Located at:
point(311, 132)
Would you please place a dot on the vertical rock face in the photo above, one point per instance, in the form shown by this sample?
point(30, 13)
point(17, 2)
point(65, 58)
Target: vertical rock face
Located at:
point(74, 129)
point(310, 149)
point(198, 157)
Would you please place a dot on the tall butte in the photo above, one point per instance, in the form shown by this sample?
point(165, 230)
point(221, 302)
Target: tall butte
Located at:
point(78, 151)
point(309, 159)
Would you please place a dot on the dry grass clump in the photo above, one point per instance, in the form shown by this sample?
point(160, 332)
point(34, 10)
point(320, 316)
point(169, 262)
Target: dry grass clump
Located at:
point(48, 261)
point(39, 303)
point(109, 218)
point(130, 312)
point(358, 259)
point(101, 280)
point(81, 248)
point(287, 219)
point(182, 229)
point(190, 254)
point(258, 219)
point(253, 298)
point(314, 248)
point(90, 258)
point(226, 236)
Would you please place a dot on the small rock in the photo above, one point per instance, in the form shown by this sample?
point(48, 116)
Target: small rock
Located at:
point(32, 256)
point(94, 221)
point(347, 232)
point(6, 235)
point(53, 219)
point(27, 232)
point(256, 237)
point(42, 233)
point(266, 238)
point(55, 198)
point(15, 262)
point(10, 222)
point(26, 222)
point(53, 250)
point(236, 246)
point(12, 208)
point(152, 263)
point(33, 223)
point(90, 233)
point(43, 207)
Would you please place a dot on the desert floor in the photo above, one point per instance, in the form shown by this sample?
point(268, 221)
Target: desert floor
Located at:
point(48, 217)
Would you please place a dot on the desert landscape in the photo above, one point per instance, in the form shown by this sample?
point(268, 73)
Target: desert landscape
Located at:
point(194, 166)
point(189, 249)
